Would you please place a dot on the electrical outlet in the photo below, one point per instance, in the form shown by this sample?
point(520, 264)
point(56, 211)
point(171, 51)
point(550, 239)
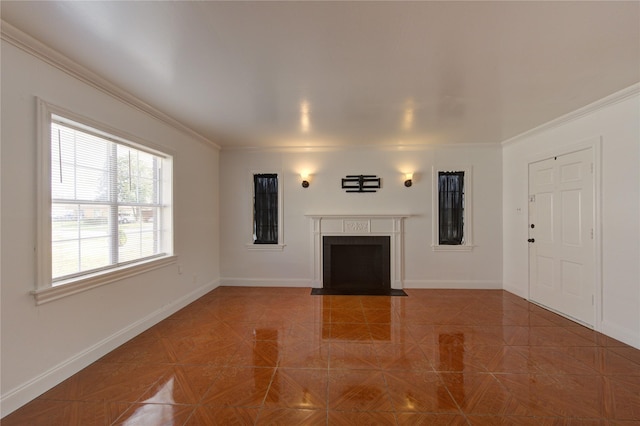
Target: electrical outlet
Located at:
point(195, 278)
point(180, 269)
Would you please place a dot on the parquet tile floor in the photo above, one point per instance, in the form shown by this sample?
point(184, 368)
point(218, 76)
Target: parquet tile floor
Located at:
point(279, 356)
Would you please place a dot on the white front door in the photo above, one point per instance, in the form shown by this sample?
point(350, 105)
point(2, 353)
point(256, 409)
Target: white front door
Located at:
point(561, 240)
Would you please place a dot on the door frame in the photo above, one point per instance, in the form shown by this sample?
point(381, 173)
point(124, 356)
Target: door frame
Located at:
point(595, 144)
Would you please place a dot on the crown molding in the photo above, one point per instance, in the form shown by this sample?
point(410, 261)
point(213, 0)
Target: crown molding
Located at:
point(36, 48)
point(368, 147)
point(612, 99)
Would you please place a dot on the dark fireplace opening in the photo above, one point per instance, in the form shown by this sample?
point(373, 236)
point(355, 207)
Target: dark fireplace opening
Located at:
point(356, 263)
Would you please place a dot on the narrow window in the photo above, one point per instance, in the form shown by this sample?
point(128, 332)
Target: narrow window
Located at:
point(451, 208)
point(265, 208)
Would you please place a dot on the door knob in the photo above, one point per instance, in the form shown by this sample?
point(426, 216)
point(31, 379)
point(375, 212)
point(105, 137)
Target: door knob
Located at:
point(532, 240)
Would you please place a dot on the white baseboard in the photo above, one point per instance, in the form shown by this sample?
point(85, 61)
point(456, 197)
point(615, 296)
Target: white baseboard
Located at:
point(305, 282)
point(266, 282)
point(518, 291)
point(17, 397)
point(454, 284)
point(622, 334)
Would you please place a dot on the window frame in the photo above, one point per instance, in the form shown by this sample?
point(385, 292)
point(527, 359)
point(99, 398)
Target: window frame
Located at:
point(251, 245)
point(467, 244)
point(46, 289)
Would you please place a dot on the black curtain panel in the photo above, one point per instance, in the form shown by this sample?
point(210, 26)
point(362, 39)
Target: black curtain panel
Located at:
point(451, 207)
point(265, 208)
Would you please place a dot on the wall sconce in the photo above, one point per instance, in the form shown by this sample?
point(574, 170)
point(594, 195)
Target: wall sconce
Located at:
point(408, 177)
point(305, 179)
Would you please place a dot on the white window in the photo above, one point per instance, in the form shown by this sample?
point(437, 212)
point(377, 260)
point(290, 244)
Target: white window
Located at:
point(105, 205)
point(452, 217)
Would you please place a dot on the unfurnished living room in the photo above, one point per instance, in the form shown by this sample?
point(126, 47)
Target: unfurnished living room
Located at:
point(320, 213)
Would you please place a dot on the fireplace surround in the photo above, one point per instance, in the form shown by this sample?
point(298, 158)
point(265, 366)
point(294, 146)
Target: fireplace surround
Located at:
point(359, 262)
point(387, 225)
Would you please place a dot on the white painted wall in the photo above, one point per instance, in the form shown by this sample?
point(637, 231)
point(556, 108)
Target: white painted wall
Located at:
point(479, 268)
point(616, 120)
point(42, 345)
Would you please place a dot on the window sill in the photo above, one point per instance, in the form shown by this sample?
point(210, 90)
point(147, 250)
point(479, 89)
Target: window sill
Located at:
point(453, 248)
point(265, 247)
point(78, 285)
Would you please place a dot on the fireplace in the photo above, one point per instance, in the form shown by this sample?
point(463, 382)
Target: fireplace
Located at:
point(356, 263)
point(389, 226)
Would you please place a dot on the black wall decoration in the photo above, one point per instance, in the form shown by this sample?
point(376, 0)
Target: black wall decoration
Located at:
point(361, 183)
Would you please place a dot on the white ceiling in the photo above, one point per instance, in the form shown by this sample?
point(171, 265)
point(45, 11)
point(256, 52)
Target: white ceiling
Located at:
point(349, 73)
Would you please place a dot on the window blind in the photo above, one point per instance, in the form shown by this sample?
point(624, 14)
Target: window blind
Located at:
point(106, 202)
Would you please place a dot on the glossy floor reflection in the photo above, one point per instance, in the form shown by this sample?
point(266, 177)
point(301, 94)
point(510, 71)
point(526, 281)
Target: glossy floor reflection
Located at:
point(279, 356)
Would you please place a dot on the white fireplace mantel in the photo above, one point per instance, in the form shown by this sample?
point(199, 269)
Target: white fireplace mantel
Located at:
point(391, 225)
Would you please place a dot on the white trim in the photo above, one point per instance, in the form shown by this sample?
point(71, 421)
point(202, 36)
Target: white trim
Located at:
point(85, 124)
point(462, 247)
point(78, 285)
point(34, 47)
point(468, 210)
point(596, 146)
point(265, 282)
point(43, 198)
point(454, 284)
point(618, 332)
point(267, 247)
point(612, 99)
point(45, 289)
point(20, 395)
point(515, 290)
point(592, 142)
point(562, 314)
point(367, 147)
point(373, 225)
